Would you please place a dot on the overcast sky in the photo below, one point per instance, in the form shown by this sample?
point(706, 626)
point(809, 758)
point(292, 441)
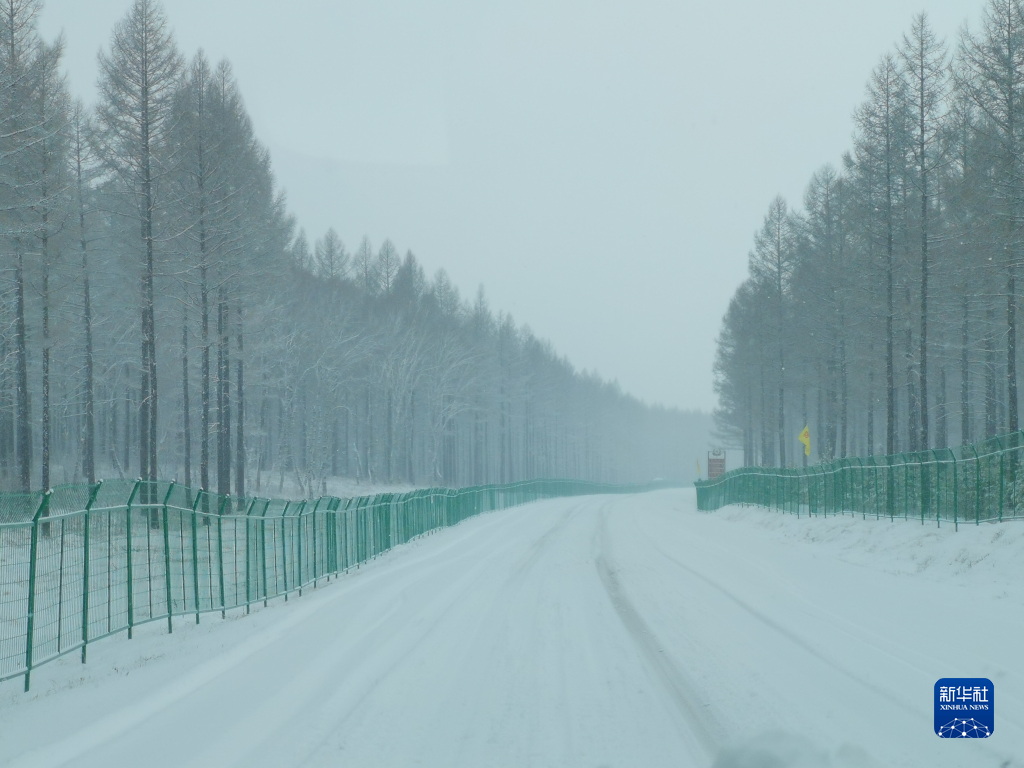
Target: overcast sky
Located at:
point(600, 167)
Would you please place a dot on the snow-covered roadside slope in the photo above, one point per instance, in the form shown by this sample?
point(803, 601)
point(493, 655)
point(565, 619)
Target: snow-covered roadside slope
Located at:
point(989, 556)
point(597, 631)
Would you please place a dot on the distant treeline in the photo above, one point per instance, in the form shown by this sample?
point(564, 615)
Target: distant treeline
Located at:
point(161, 315)
point(884, 314)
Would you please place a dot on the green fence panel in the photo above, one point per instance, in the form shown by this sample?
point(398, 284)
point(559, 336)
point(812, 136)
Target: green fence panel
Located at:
point(82, 562)
point(978, 482)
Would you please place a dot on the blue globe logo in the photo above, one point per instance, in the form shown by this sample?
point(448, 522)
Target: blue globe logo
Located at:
point(960, 728)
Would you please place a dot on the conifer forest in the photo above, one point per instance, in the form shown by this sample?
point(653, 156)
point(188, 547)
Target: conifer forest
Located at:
point(163, 315)
point(883, 310)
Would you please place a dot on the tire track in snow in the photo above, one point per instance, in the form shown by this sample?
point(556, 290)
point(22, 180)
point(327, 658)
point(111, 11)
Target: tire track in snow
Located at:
point(788, 634)
point(700, 721)
point(381, 649)
point(537, 549)
point(336, 710)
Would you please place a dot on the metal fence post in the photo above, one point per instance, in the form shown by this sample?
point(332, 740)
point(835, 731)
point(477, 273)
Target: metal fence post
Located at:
point(844, 465)
point(128, 557)
point(1015, 445)
point(315, 506)
point(284, 551)
point(248, 567)
point(299, 529)
point(977, 486)
point(332, 546)
point(263, 546)
point(906, 487)
point(1002, 456)
point(874, 486)
point(956, 494)
point(925, 487)
point(44, 505)
point(85, 568)
point(853, 493)
point(890, 489)
point(167, 560)
point(220, 558)
point(195, 552)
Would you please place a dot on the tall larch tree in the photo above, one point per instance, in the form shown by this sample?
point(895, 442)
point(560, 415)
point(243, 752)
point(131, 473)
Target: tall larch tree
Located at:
point(926, 72)
point(137, 82)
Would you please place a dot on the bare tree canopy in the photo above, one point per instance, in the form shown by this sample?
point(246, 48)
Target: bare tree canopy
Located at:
point(900, 284)
point(161, 302)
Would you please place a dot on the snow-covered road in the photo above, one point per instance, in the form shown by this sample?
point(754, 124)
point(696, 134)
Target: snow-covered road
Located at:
point(596, 631)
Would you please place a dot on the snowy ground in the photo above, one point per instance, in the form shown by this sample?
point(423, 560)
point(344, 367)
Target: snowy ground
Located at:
point(290, 486)
point(597, 631)
point(343, 487)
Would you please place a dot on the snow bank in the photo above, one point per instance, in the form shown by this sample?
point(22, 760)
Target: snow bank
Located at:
point(989, 556)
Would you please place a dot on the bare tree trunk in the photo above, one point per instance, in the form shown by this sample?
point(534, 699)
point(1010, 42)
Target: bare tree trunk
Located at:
point(411, 457)
point(127, 429)
point(143, 416)
point(844, 437)
point(990, 376)
point(923, 354)
point(890, 350)
point(348, 445)
point(941, 425)
point(803, 403)
point(1011, 349)
point(504, 437)
point(389, 447)
point(148, 414)
point(284, 453)
point(831, 429)
point(46, 349)
point(223, 399)
point(240, 429)
point(871, 412)
point(7, 414)
point(913, 403)
point(24, 429)
point(782, 382)
point(262, 461)
point(112, 440)
point(820, 424)
point(219, 430)
point(303, 457)
point(335, 440)
point(749, 458)
point(449, 459)
point(368, 439)
point(204, 405)
point(45, 473)
point(1011, 259)
point(46, 377)
point(89, 456)
point(965, 374)
point(185, 412)
point(765, 452)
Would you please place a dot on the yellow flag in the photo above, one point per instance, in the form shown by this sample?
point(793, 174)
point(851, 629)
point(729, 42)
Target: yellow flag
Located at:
point(805, 438)
point(698, 468)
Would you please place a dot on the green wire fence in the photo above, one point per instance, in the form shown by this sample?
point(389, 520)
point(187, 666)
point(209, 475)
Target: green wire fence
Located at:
point(82, 562)
point(973, 483)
